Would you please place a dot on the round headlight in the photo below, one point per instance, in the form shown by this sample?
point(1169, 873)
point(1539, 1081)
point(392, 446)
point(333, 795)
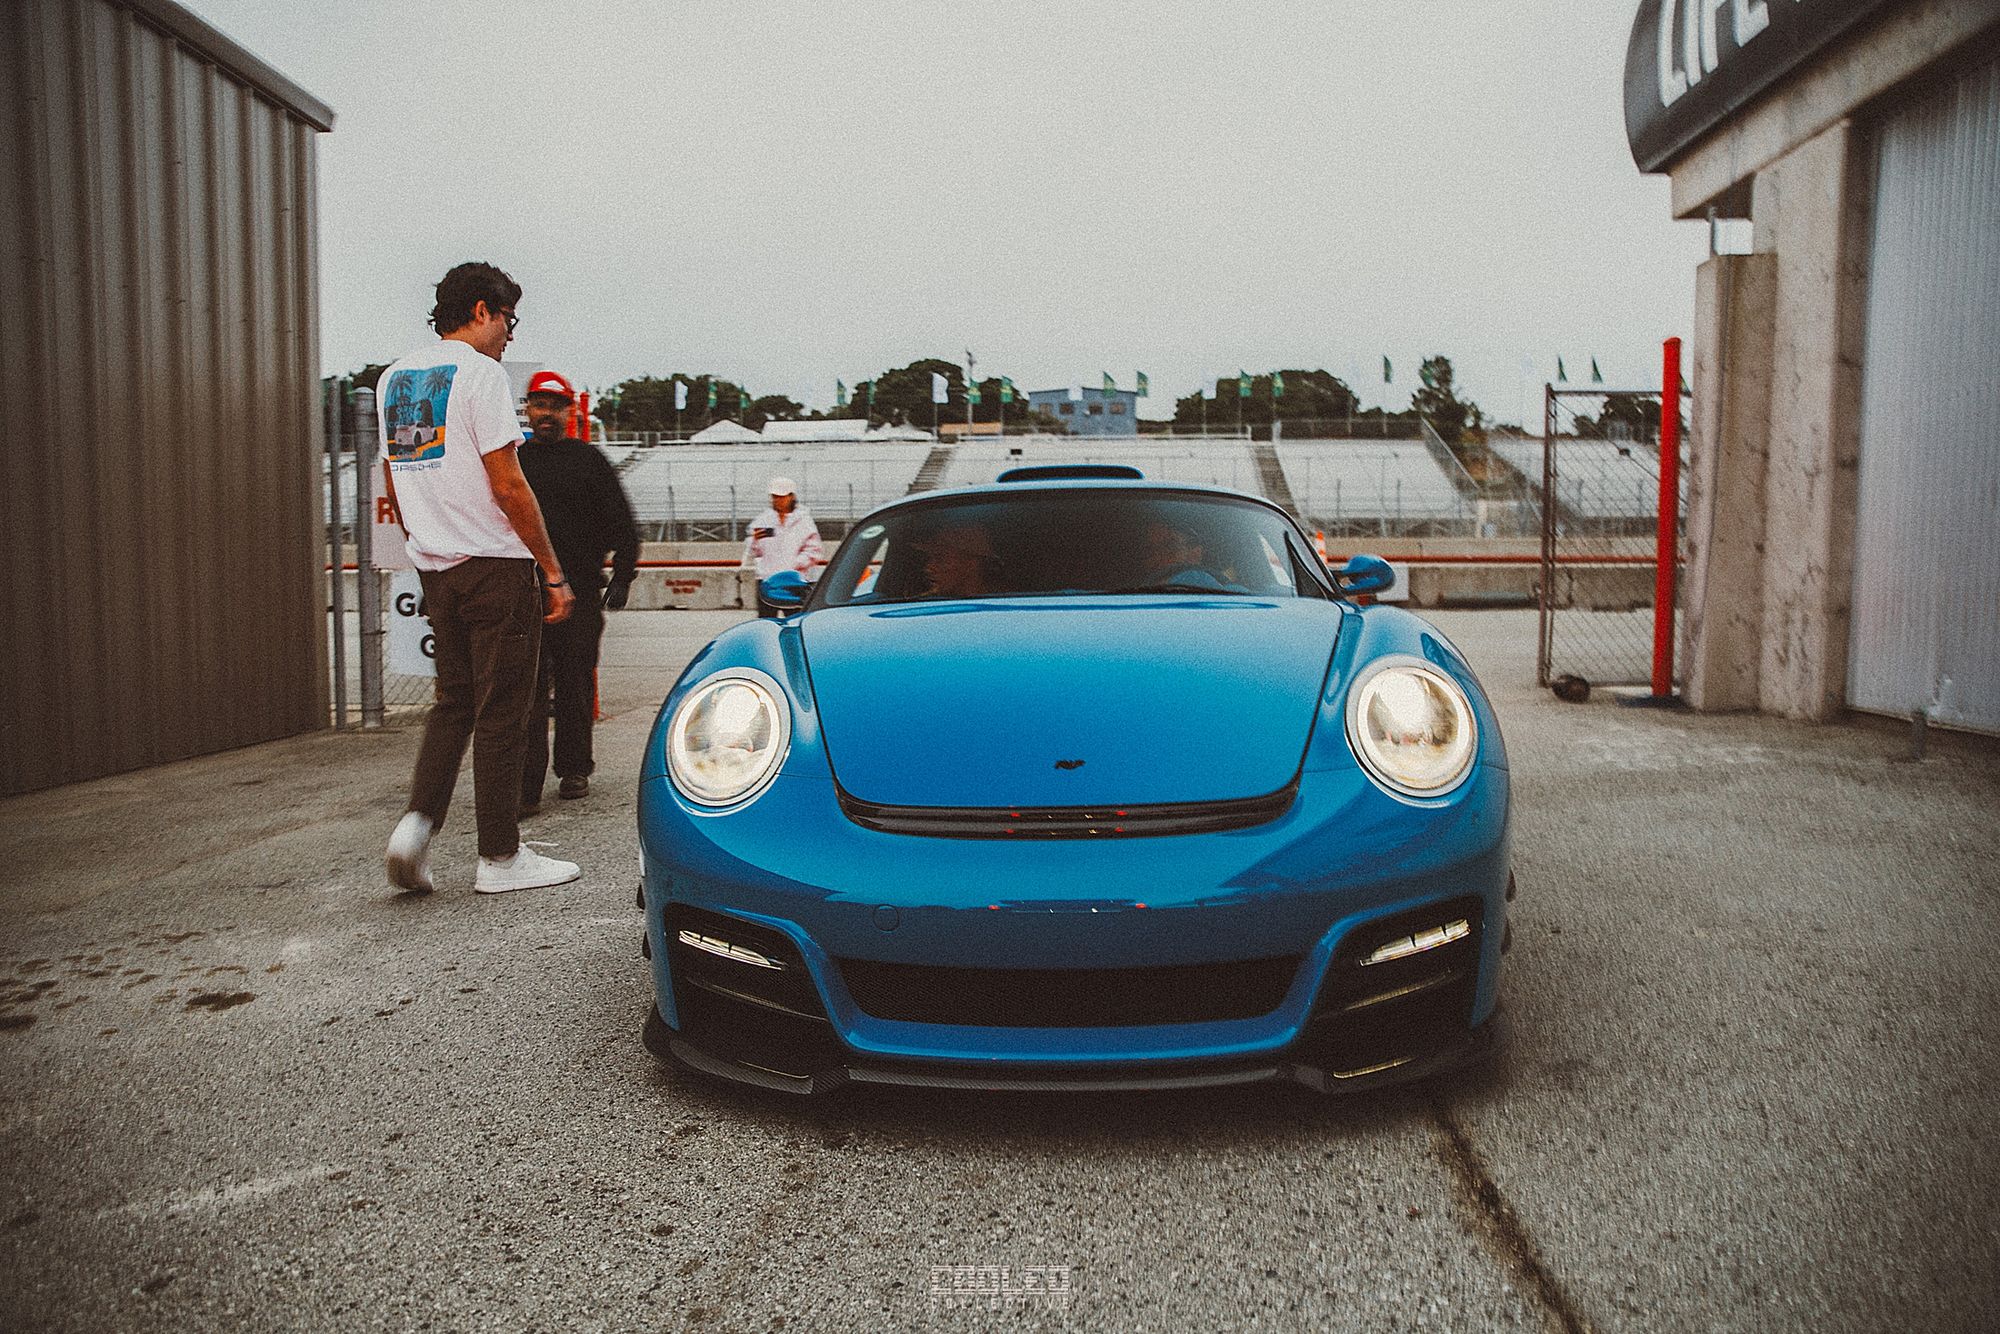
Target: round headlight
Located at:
point(728, 737)
point(1412, 727)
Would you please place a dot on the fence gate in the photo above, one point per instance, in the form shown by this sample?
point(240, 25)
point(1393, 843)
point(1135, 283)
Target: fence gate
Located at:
point(368, 677)
point(1600, 505)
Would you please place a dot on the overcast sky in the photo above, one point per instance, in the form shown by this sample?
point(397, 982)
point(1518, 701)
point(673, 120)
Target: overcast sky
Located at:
point(789, 193)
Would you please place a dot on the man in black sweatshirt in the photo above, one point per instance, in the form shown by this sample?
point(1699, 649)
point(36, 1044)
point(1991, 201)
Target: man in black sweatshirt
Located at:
point(587, 515)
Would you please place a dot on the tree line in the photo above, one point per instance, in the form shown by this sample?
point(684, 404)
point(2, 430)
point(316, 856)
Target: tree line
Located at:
point(1299, 395)
point(902, 396)
point(897, 397)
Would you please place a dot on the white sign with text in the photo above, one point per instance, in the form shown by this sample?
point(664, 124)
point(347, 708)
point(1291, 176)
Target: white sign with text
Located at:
point(411, 652)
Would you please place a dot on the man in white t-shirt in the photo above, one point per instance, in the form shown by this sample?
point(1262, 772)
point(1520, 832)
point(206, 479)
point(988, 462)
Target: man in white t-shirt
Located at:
point(476, 537)
point(783, 537)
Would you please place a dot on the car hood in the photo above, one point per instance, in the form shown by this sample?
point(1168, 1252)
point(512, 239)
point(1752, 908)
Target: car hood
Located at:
point(1068, 701)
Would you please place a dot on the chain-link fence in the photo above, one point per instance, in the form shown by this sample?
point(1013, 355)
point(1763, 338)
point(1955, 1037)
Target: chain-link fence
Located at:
point(1599, 498)
point(368, 606)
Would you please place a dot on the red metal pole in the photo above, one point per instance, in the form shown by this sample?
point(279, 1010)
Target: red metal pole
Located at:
point(584, 424)
point(1667, 548)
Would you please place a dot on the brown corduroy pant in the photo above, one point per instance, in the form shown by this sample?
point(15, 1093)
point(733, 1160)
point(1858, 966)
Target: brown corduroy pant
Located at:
point(486, 625)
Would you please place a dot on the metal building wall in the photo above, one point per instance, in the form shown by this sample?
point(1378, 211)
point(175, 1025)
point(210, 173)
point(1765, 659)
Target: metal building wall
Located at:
point(161, 592)
point(1926, 615)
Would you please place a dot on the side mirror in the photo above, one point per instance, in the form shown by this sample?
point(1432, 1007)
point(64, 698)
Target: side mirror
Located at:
point(1365, 574)
point(786, 590)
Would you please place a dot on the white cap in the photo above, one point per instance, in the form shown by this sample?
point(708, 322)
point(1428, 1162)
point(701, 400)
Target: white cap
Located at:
point(782, 486)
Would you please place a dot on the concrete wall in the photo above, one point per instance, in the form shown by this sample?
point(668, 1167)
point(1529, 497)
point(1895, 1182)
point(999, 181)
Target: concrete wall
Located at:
point(659, 588)
point(1443, 572)
point(1810, 210)
point(1770, 521)
point(1723, 563)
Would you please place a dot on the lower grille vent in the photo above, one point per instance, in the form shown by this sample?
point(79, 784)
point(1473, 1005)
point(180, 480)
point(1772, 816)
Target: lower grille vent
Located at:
point(1069, 997)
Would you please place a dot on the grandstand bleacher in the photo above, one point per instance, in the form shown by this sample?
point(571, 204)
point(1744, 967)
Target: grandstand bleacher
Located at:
point(1354, 486)
point(1600, 481)
point(725, 484)
point(1388, 486)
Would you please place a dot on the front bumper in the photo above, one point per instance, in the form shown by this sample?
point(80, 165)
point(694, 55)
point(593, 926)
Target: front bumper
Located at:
point(895, 946)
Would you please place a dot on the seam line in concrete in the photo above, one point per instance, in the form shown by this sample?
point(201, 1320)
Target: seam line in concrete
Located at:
point(1503, 1227)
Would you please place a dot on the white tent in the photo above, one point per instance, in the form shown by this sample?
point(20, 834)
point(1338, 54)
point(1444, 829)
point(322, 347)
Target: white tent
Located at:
point(899, 433)
point(725, 432)
point(838, 429)
point(518, 375)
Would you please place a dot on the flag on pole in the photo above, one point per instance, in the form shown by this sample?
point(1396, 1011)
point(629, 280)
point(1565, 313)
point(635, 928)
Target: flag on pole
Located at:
point(743, 400)
point(1208, 391)
point(1141, 376)
point(972, 394)
point(1277, 384)
point(1006, 390)
point(1427, 375)
point(1562, 376)
point(1243, 384)
point(940, 388)
point(1388, 374)
point(1109, 387)
point(839, 394)
point(711, 395)
point(1076, 393)
point(680, 395)
point(1596, 375)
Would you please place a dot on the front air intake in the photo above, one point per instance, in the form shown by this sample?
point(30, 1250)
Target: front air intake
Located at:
point(743, 993)
point(1069, 997)
point(1397, 987)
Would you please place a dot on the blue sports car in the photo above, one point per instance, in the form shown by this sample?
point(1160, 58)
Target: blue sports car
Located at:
point(1075, 781)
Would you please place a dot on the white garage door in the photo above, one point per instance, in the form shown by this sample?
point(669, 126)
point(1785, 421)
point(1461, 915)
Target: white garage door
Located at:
point(1926, 625)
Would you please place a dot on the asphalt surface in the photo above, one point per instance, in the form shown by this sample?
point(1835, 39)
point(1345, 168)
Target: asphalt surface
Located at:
point(1749, 1075)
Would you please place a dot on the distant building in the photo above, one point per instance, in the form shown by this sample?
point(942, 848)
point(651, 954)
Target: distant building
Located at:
point(1090, 411)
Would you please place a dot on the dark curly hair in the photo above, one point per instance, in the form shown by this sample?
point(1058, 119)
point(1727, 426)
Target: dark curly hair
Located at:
point(466, 286)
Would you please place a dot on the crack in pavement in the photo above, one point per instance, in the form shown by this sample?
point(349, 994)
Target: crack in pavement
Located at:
point(1500, 1226)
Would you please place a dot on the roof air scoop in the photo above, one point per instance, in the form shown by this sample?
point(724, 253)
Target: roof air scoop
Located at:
point(1055, 472)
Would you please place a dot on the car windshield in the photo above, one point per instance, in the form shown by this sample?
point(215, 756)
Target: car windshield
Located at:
point(1085, 540)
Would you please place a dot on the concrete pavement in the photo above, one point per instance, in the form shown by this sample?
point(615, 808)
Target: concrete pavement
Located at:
point(1752, 1058)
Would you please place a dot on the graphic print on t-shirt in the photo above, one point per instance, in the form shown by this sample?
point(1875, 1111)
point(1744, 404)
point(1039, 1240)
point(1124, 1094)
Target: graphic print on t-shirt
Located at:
point(413, 408)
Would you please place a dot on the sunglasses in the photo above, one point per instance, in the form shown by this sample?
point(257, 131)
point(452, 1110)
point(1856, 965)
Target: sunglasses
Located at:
point(512, 319)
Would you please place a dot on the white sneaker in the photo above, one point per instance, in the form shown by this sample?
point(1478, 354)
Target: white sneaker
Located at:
point(409, 858)
point(526, 869)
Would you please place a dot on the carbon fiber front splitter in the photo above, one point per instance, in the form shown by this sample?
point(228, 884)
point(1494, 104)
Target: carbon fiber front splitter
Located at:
point(1475, 1044)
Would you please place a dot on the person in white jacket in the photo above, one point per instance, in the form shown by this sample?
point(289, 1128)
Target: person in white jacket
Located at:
point(783, 537)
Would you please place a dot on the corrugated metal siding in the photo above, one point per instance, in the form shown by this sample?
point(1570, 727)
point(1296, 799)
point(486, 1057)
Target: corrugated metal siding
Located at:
point(1926, 623)
point(158, 310)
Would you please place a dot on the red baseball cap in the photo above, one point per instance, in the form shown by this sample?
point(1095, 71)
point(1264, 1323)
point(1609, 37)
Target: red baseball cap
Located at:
point(548, 382)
